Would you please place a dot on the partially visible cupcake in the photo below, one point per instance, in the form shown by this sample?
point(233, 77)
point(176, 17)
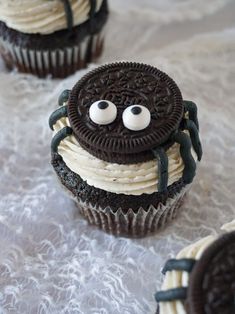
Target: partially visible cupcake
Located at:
point(126, 146)
point(51, 37)
point(201, 280)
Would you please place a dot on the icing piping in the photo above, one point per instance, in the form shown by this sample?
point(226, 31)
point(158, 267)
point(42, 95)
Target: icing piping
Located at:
point(171, 295)
point(191, 107)
point(193, 131)
point(60, 136)
point(88, 55)
point(162, 158)
point(58, 114)
point(184, 264)
point(69, 13)
point(185, 152)
point(176, 294)
point(92, 14)
point(64, 97)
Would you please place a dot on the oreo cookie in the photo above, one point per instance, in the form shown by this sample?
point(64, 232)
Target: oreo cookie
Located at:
point(126, 84)
point(212, 282)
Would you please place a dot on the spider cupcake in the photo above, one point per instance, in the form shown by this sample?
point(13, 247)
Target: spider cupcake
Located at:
point(125, 145)
point(201, 280)
point(55, 37)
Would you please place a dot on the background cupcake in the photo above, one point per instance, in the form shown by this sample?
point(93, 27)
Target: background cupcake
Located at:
point(126, 145)
point(201, 280)
point(54, 37)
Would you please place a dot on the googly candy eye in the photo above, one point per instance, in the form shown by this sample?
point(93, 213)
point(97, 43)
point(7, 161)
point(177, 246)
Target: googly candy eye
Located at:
point(136, 117)
point(103, 112)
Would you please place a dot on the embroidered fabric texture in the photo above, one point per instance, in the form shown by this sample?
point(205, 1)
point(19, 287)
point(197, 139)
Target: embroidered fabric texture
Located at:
point(51, 261)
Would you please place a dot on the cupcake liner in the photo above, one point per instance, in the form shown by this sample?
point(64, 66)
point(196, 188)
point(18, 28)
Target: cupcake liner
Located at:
point(135, 224)
point(58, 62)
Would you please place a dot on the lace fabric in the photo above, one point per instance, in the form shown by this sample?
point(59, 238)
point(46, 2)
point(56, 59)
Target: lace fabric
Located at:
point(51, 260)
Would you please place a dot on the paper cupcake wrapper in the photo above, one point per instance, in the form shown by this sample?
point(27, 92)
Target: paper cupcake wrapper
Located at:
point(58, 63)
point(135, 224)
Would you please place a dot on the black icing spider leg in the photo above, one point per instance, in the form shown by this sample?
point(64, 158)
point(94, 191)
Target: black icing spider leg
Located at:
point(92, 24)
point(162, 158)
point(193, 131)
point(92, 12)
point(183, 264)
point(192, 111)
point(60, 136)
point(68, 13)
point(176, 294)
point(55, 116)
point(58, 114)
point(64, 97)
point(185, 152)
point(180, 293)
point(62, 111)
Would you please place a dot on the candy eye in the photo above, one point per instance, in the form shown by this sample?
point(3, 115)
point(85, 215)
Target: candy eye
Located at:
point(136, 117)
point(103, 112)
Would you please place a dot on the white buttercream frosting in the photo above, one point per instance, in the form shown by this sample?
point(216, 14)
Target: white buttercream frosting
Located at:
point(176, 279)
point(42, 16)
point(133, 179)
point(229, 226)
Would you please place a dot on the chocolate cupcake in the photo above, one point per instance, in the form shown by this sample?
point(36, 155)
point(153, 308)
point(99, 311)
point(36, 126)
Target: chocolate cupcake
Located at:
point(55, 37)
point(201, 280)
point(125, 145)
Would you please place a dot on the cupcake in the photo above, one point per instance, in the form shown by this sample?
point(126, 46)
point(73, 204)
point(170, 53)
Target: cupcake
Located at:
point(201, 280)
point(126, 146)
point(51, 37)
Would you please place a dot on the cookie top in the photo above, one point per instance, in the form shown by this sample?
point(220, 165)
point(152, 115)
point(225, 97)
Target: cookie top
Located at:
point(212, 282)
point(121, 111)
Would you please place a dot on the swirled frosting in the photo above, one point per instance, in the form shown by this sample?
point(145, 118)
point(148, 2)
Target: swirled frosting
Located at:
point(176, 279)
point(132, 179)
point(42, 16)
point(229, 226)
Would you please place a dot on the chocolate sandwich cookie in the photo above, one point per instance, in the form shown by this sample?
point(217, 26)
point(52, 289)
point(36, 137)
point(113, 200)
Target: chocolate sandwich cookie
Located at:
point(126, 145)
point(142, 94)
point(212, 282)
point(205, 273)
point(68, 37)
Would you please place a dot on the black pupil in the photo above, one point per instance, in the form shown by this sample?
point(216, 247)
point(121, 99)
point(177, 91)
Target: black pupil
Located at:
point(136, 110)
point(103, 105)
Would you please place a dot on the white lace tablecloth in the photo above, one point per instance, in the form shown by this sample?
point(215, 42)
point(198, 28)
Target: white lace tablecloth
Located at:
point(51, 260)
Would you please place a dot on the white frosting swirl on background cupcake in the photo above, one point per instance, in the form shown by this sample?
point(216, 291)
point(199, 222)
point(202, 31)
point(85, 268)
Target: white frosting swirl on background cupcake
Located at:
point(42, 16)
point(130, 179)
point(175, 279)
